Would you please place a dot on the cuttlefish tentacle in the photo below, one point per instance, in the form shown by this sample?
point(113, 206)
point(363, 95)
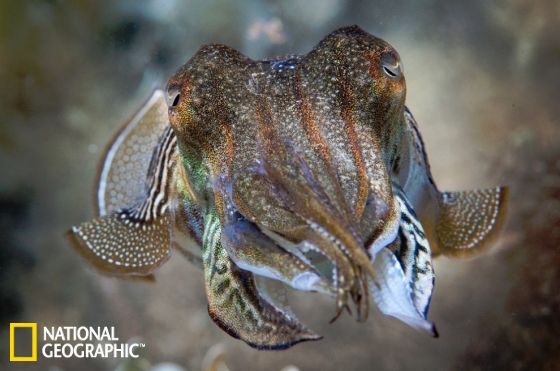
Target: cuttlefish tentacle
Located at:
point(457, 223)
point(317, 237)
point(332, 230)
point(413, 251)
point(234, 302)
point(187, 228)
point(393, 295)
point(253, 251)
point(406, 273)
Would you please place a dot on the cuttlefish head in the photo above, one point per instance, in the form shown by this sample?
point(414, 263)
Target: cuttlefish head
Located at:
point(300, 147)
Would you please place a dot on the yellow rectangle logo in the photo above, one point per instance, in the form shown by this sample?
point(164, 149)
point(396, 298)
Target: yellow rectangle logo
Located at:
point(33, 356)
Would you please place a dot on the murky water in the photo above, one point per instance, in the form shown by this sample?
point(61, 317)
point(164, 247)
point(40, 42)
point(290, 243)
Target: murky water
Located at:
point(483, 82)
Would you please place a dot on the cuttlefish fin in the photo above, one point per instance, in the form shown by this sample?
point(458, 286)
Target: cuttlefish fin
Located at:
point(134, 241)
point(457, 224)
point(121, 246)
point(235, 305)
point(122, 172)
point(468, 221)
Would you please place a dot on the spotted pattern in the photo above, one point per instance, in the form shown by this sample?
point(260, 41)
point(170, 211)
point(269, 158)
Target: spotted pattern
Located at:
point(468, 218)
point(119, 247)
point(329, 104)
point(129, 156)
point(457, 223)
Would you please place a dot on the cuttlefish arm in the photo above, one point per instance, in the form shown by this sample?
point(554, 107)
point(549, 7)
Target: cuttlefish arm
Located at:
point(406, 275)
point(234, 301)
point(332, 230)
point(456, 223)
point(255, 252)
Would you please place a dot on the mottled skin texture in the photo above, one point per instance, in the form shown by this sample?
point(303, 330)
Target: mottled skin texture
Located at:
point(309, 171)
point(336, 107)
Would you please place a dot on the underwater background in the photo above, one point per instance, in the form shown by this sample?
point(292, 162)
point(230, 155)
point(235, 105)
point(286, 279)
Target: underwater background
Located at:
point(483, 82)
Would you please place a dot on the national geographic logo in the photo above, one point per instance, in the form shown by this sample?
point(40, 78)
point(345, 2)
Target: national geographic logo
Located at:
point(68, 342)
point(20, 328)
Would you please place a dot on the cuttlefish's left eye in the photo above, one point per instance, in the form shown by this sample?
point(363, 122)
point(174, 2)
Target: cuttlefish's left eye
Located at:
point(391, 66)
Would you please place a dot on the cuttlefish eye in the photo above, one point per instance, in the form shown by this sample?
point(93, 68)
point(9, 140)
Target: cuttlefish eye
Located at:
point(173, 97)
point(391, 66)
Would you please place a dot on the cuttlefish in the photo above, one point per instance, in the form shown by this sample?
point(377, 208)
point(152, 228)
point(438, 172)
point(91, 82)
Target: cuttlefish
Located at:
point(306, 172)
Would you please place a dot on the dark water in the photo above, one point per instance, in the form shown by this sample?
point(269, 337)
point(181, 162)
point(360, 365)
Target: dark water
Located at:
point(483, 81)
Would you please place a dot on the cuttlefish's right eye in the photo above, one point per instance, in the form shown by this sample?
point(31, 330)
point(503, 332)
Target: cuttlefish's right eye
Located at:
point(391, 66)
point(173, 97)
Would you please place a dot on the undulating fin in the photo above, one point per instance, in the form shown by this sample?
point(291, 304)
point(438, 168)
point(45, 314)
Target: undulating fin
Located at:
point(234, 302)
point(122, 173)
point(469, 220)
point(456, 223)
point(135, 240)
point(118, 245)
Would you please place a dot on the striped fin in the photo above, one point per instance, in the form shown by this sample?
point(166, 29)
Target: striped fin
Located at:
point(157, 187)
point(135, 240)
point(456, 223)
point(122, 174)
